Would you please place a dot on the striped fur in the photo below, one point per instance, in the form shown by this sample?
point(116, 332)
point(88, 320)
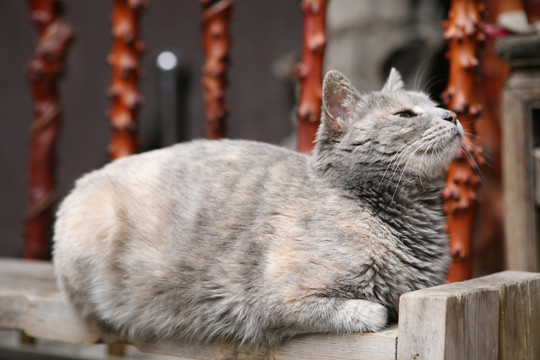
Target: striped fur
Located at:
point(250, 242)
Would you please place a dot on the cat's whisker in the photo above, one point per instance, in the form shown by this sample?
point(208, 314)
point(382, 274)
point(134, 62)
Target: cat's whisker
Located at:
point(405, 167)
point(404, 154)
point(395, 159)
point(424, 156)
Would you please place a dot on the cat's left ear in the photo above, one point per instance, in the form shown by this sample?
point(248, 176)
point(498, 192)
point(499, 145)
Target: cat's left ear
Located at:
point(394, 82)
point(339, 98)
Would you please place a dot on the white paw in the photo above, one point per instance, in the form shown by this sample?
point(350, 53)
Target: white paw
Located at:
point(369, 316)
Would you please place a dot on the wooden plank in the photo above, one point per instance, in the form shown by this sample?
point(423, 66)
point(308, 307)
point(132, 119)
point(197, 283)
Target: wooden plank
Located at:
point(11, 348)
point(54, 319)
point(519, 325)
point(30, 301)
point(454, 321)
point(379, 346)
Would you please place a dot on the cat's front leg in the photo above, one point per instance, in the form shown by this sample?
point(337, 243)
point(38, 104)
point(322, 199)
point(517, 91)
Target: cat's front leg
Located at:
point(326, 314)
point(361, 316)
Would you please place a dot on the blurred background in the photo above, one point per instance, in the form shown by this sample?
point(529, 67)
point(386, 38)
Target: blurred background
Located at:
point(365, 39)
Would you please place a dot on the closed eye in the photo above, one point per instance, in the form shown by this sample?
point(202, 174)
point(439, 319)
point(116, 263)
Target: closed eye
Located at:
point(406, 114)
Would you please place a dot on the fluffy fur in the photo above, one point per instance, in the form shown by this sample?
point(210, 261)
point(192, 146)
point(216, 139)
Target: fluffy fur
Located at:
point(247, 241)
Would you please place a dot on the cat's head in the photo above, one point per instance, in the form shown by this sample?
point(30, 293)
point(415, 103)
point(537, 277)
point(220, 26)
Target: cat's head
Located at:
point(392, 130)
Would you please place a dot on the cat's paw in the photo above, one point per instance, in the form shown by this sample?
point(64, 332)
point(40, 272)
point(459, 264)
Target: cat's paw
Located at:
point(369, 316)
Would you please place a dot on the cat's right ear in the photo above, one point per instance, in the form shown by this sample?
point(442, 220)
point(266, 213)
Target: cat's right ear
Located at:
point(339, 98)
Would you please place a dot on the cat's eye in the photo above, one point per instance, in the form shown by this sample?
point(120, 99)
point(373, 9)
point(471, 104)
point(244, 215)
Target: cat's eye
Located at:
point(406, 114)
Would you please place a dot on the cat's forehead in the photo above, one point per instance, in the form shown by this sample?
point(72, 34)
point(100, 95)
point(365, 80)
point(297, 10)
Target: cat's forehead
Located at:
point(417, 101)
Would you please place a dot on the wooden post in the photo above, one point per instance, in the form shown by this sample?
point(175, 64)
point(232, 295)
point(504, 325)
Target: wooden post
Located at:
point(44, 70)
point(493, 317)
point(126, 71)
point(309, 72)
point(464, 33)
point(521, 143)
point(216, 43)
point(123, 92)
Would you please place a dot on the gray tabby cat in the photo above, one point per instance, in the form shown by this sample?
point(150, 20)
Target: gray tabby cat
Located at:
point(247, 241)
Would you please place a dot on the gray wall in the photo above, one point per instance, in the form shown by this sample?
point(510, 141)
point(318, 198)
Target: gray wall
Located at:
point(263, 32)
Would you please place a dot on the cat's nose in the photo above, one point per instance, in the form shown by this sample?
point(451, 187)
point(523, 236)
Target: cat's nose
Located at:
point(450, 116)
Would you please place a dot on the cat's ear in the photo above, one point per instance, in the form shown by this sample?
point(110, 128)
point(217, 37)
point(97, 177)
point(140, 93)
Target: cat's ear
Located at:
point(339, 98)
point(394, 82)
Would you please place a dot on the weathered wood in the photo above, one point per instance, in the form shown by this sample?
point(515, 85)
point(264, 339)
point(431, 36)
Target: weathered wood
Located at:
point(519, 313)
point(493, 317)
point(44, 72)
point(454, 321)
point(518, 183)
point(31, 302)
point(522, 220)
point(381, 345)
point(519, 136)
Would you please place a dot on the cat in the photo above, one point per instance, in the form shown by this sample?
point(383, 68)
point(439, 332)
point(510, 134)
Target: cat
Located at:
point(250, 242)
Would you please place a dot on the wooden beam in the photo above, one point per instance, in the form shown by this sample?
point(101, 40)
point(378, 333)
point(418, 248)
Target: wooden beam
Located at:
point(494, 317)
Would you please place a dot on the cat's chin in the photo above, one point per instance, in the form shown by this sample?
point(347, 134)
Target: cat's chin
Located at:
point(432, 165)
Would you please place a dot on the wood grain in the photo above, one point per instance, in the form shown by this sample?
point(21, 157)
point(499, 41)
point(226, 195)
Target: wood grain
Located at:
point(519, 313)
point(493, 317)
point(453, 321)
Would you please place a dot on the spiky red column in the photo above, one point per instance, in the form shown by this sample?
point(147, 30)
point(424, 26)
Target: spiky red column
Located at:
point(309, 72)
point(464, 33)
point(126, 71)
point(45, 69)
point(216, 43)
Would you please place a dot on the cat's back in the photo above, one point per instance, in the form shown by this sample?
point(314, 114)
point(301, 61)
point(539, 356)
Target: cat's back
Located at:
point(145, 186)
point(137, 208)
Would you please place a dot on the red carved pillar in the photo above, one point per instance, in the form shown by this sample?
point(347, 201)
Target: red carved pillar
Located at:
point(126, 71)
point(216, 43)
point(309, 72)
point(44, 70)
point(464, 33)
